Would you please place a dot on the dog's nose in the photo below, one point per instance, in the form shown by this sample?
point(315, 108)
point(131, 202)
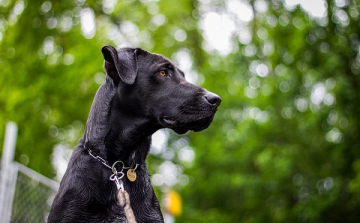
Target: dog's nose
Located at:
point(213, 99)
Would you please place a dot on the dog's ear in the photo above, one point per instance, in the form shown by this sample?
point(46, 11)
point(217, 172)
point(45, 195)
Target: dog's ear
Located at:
point(120, 65)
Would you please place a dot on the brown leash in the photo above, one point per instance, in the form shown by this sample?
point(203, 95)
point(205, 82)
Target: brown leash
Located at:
point(124, 202)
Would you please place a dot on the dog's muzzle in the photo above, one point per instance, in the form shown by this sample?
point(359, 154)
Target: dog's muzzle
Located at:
point(195, 118)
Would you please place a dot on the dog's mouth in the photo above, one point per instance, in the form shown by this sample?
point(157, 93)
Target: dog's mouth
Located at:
point(171, 121)
point(197, 124)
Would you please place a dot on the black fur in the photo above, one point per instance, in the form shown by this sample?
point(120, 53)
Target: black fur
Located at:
point(133, 103)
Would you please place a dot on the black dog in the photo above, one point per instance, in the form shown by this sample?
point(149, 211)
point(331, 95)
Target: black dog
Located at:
point(143, 92)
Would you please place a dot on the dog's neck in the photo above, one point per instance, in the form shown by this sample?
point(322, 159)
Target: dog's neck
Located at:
point(129, 136)
point(127, 142)
point(114, 133)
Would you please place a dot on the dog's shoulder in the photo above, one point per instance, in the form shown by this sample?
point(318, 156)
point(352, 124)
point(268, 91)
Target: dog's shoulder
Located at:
point(74, 178)
point(80, 190)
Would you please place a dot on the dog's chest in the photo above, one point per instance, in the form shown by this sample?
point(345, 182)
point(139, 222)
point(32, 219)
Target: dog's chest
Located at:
point(119, 219)
point(116, 216)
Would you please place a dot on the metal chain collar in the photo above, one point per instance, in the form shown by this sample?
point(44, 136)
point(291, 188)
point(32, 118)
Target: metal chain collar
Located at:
point(100, 159)
point(117, 175)
point(113, 169)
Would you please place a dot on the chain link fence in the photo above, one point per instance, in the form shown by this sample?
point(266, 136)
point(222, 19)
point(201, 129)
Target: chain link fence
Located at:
point(26, 196)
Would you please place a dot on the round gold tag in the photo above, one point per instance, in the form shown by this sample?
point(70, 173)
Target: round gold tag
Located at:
point(131, 175)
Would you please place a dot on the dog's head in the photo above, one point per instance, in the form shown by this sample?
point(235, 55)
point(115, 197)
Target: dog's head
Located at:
point(150, 86)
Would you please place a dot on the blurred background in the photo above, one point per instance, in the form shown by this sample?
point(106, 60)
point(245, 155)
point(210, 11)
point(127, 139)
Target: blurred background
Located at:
point(284, 145)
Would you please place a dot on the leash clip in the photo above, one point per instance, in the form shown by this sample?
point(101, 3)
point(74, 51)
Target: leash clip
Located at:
point(117, 179)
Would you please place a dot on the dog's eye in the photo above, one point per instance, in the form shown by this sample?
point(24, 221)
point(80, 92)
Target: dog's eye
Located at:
point(162, 73)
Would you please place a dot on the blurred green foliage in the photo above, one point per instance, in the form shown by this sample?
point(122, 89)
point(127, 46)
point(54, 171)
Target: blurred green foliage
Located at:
point(284, 146)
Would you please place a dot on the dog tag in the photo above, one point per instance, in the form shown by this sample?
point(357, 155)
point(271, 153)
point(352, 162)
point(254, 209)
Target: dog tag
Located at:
point(131, 175)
